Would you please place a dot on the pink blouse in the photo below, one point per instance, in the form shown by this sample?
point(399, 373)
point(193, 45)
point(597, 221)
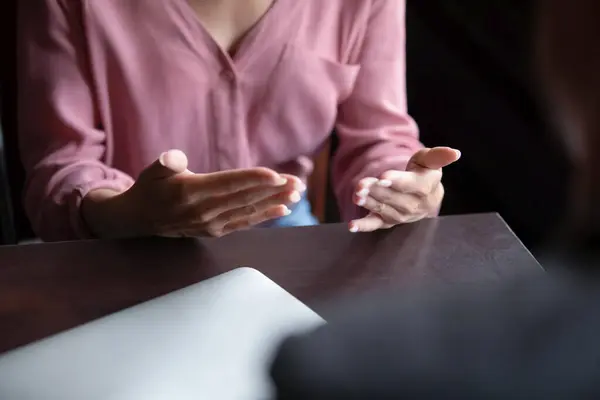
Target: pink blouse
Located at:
point(107, 85)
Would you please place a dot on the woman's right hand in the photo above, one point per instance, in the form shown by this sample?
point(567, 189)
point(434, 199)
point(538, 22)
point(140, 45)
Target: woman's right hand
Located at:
point(169, 200)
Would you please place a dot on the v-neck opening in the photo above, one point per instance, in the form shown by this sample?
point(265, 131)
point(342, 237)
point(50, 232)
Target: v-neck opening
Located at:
point(245, 44)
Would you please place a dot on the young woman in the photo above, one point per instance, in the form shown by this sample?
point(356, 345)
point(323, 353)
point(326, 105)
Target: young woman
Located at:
point(246, 90)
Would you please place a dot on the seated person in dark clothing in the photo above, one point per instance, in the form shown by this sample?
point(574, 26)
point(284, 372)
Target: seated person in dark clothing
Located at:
point(536, 338)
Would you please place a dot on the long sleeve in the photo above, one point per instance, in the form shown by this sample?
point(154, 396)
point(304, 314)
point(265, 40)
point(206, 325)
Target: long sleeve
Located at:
point(375, 131)
point(63, 148)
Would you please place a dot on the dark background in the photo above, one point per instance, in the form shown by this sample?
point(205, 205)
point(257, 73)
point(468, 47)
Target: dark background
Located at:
point(471, 85)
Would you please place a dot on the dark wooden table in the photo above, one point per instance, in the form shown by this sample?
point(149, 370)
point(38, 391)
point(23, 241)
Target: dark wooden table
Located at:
point(47, 288)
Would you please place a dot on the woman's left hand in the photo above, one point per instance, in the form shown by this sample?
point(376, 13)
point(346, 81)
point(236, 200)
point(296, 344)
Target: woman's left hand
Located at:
point(399, 197)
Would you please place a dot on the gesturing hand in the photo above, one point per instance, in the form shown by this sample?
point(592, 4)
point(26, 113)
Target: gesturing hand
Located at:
point(399, 197)
point(169, 200)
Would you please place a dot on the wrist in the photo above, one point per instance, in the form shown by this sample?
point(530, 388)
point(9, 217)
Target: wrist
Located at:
point(107, 214)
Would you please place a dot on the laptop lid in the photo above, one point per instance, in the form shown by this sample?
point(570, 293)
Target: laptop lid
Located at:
point(212, 340)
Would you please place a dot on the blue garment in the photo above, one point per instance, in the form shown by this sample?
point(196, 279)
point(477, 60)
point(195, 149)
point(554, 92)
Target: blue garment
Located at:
point(301, 216)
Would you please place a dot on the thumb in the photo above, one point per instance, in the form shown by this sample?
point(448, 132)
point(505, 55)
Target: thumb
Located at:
point(435, 158)
point(169, 163)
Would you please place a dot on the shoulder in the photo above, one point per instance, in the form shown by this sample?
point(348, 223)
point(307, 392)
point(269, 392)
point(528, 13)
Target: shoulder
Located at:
point(345, 29)
point(388, 11)
point(355, 7)
point(388, 4)
point(348, 11)
point(360, 14)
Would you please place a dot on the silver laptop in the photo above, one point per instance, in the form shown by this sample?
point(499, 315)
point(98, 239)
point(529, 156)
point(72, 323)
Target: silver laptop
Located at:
point(212, 340)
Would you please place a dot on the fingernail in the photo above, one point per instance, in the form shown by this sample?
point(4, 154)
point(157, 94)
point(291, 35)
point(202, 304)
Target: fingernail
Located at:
point(286, 211)
point(281, 181)
point(295, 197)
point(161, 158)
point(353, 228)
point(458, 153)
point(391, 175)
point(300, 187)
point(363, 192)
point(369, 181)
point(361, 201)
point(384, 183)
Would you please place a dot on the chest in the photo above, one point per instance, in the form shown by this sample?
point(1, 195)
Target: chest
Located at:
point(169, 85)
point(228, 21)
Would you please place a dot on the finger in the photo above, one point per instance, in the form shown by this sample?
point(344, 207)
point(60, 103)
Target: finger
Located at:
point(366, 183)
point(297, 183)
point(248, 198)
point(203, 212)
point(370, 223)
point(247, 211)
point(435, 158)
point(256, 219)
point(232, 206)
point(404, 204)
point(418, 183)
point(169, 163)
point(233, 181)
point(388, 213)
point(433, 203)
